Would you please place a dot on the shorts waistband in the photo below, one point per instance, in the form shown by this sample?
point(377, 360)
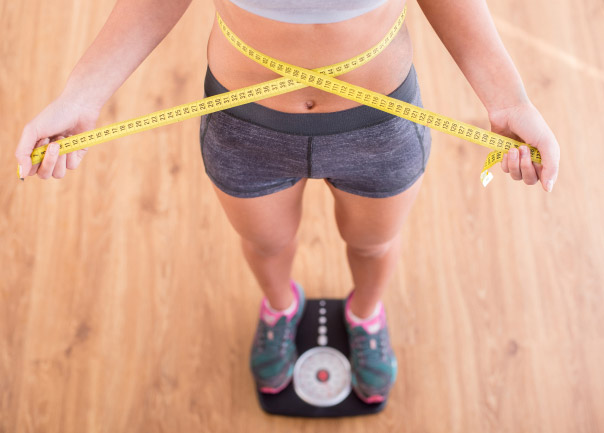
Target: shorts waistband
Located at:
point(308, 124)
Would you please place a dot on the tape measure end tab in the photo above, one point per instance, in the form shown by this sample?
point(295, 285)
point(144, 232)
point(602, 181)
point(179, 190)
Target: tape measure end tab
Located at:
point(485, 177)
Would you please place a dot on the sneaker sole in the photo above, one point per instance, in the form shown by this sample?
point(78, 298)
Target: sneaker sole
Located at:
point(371, 399)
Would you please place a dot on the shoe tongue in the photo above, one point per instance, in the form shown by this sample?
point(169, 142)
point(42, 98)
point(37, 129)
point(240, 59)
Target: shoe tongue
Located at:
point(373, 326)
point(270, 318)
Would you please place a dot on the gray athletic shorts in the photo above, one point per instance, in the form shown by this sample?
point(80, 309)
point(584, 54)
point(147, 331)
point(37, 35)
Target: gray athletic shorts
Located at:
point(251, 150)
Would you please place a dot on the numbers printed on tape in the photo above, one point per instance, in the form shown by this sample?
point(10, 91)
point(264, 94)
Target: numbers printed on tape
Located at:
point(210, 104)
point(474, 134)
point(293, 78)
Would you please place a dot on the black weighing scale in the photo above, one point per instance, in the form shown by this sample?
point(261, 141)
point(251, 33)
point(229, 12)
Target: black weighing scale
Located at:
point(321, 386)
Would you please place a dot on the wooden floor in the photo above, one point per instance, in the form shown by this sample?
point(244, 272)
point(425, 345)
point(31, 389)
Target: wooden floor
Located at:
point(126, 305)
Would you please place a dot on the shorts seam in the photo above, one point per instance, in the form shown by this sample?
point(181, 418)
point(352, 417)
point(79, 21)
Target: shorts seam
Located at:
point(202, 139)
point(379, 194)
point(256, 193)
point(420, 139)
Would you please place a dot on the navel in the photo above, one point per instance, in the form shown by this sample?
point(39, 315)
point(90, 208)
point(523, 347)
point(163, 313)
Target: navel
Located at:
point(309, 104)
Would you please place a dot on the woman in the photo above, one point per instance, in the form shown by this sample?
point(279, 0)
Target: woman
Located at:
point(259, 156)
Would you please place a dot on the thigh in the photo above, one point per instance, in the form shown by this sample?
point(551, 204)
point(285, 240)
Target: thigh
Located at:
point(246, 160)
point(257, 174)
point(377, 161)
point(269, 221)
point(366, 222)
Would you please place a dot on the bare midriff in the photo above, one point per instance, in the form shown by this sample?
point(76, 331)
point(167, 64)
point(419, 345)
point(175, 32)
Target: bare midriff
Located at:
point(310, 46)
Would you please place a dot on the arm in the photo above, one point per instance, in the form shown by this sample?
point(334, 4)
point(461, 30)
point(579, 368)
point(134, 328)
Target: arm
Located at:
point(467, 30)
point(134, 28)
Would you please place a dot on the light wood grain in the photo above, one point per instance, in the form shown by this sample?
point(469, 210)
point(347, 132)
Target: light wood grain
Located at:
point(126, 305)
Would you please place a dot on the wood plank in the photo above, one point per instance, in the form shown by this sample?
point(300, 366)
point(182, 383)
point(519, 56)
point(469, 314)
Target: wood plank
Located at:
point(126, 305)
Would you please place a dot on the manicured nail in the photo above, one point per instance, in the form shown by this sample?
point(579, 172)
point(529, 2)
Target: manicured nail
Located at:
point(513, 153)
point(550, 185)
point(53, 148)
point(523, 150)
point(20, 172)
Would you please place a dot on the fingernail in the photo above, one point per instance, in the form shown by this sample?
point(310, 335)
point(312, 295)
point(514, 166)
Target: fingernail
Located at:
point(20, 171)
point(513, 153)
point(550, 185)
point(523, 150)
point(53, 148)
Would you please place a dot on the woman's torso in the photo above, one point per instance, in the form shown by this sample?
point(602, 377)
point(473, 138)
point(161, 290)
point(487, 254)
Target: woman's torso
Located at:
point(310, 46)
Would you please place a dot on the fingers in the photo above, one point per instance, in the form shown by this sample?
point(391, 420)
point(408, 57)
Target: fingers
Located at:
point(538, 169)
point(504, 163)
point(518, 163)
point(529, 175)
point(550, 158)
point(514, 164)
point(34, 168)
point(526, 122)
point(50, 160)
point(53, 164)
point(60, 167)
point(74, 158)
point(28, 140)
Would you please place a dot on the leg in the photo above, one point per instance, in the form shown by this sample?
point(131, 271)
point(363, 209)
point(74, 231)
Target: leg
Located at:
point(267, 226)
point(371, 229)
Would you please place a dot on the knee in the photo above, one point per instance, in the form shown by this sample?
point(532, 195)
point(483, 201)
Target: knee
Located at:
point(268, 247)
point(372, 250)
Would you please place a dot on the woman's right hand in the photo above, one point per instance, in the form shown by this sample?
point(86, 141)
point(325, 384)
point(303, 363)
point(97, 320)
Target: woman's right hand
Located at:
point(62, 118)
point(125, 40)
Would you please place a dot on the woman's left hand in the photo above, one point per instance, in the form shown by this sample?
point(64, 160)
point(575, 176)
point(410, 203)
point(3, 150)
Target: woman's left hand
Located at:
point(523, 122)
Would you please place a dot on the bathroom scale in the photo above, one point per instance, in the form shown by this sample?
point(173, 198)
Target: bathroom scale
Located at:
point(321, 385)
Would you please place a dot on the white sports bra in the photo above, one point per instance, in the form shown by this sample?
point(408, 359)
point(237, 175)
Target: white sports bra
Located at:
point(309, 11)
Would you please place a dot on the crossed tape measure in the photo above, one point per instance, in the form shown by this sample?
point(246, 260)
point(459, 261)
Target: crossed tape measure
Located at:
point(294, 78)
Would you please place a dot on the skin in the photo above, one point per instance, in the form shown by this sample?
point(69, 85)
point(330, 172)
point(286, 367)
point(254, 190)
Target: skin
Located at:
point(268, 225)
point(330, 42)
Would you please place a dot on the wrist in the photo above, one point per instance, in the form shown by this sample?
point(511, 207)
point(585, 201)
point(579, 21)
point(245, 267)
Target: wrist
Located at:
point(84, 94)
point(497, 111)
point(502, 90)
point(506, 100)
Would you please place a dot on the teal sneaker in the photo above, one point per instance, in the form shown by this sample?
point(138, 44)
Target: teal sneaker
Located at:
point(372, 359)
point(274, 348)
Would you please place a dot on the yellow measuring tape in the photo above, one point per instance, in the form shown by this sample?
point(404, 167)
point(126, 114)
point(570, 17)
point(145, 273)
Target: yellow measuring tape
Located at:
point(294, 78)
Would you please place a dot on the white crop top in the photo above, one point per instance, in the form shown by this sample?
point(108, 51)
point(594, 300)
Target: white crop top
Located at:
point(309, 11)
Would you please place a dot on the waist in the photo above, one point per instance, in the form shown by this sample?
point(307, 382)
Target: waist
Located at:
point(309, 124)
point(310, 46)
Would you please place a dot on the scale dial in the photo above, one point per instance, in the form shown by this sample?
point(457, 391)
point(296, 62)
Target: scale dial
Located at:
point(322, 376)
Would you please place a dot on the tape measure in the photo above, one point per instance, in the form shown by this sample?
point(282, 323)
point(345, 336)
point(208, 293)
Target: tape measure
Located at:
point(210, 104)
point(293, 78)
